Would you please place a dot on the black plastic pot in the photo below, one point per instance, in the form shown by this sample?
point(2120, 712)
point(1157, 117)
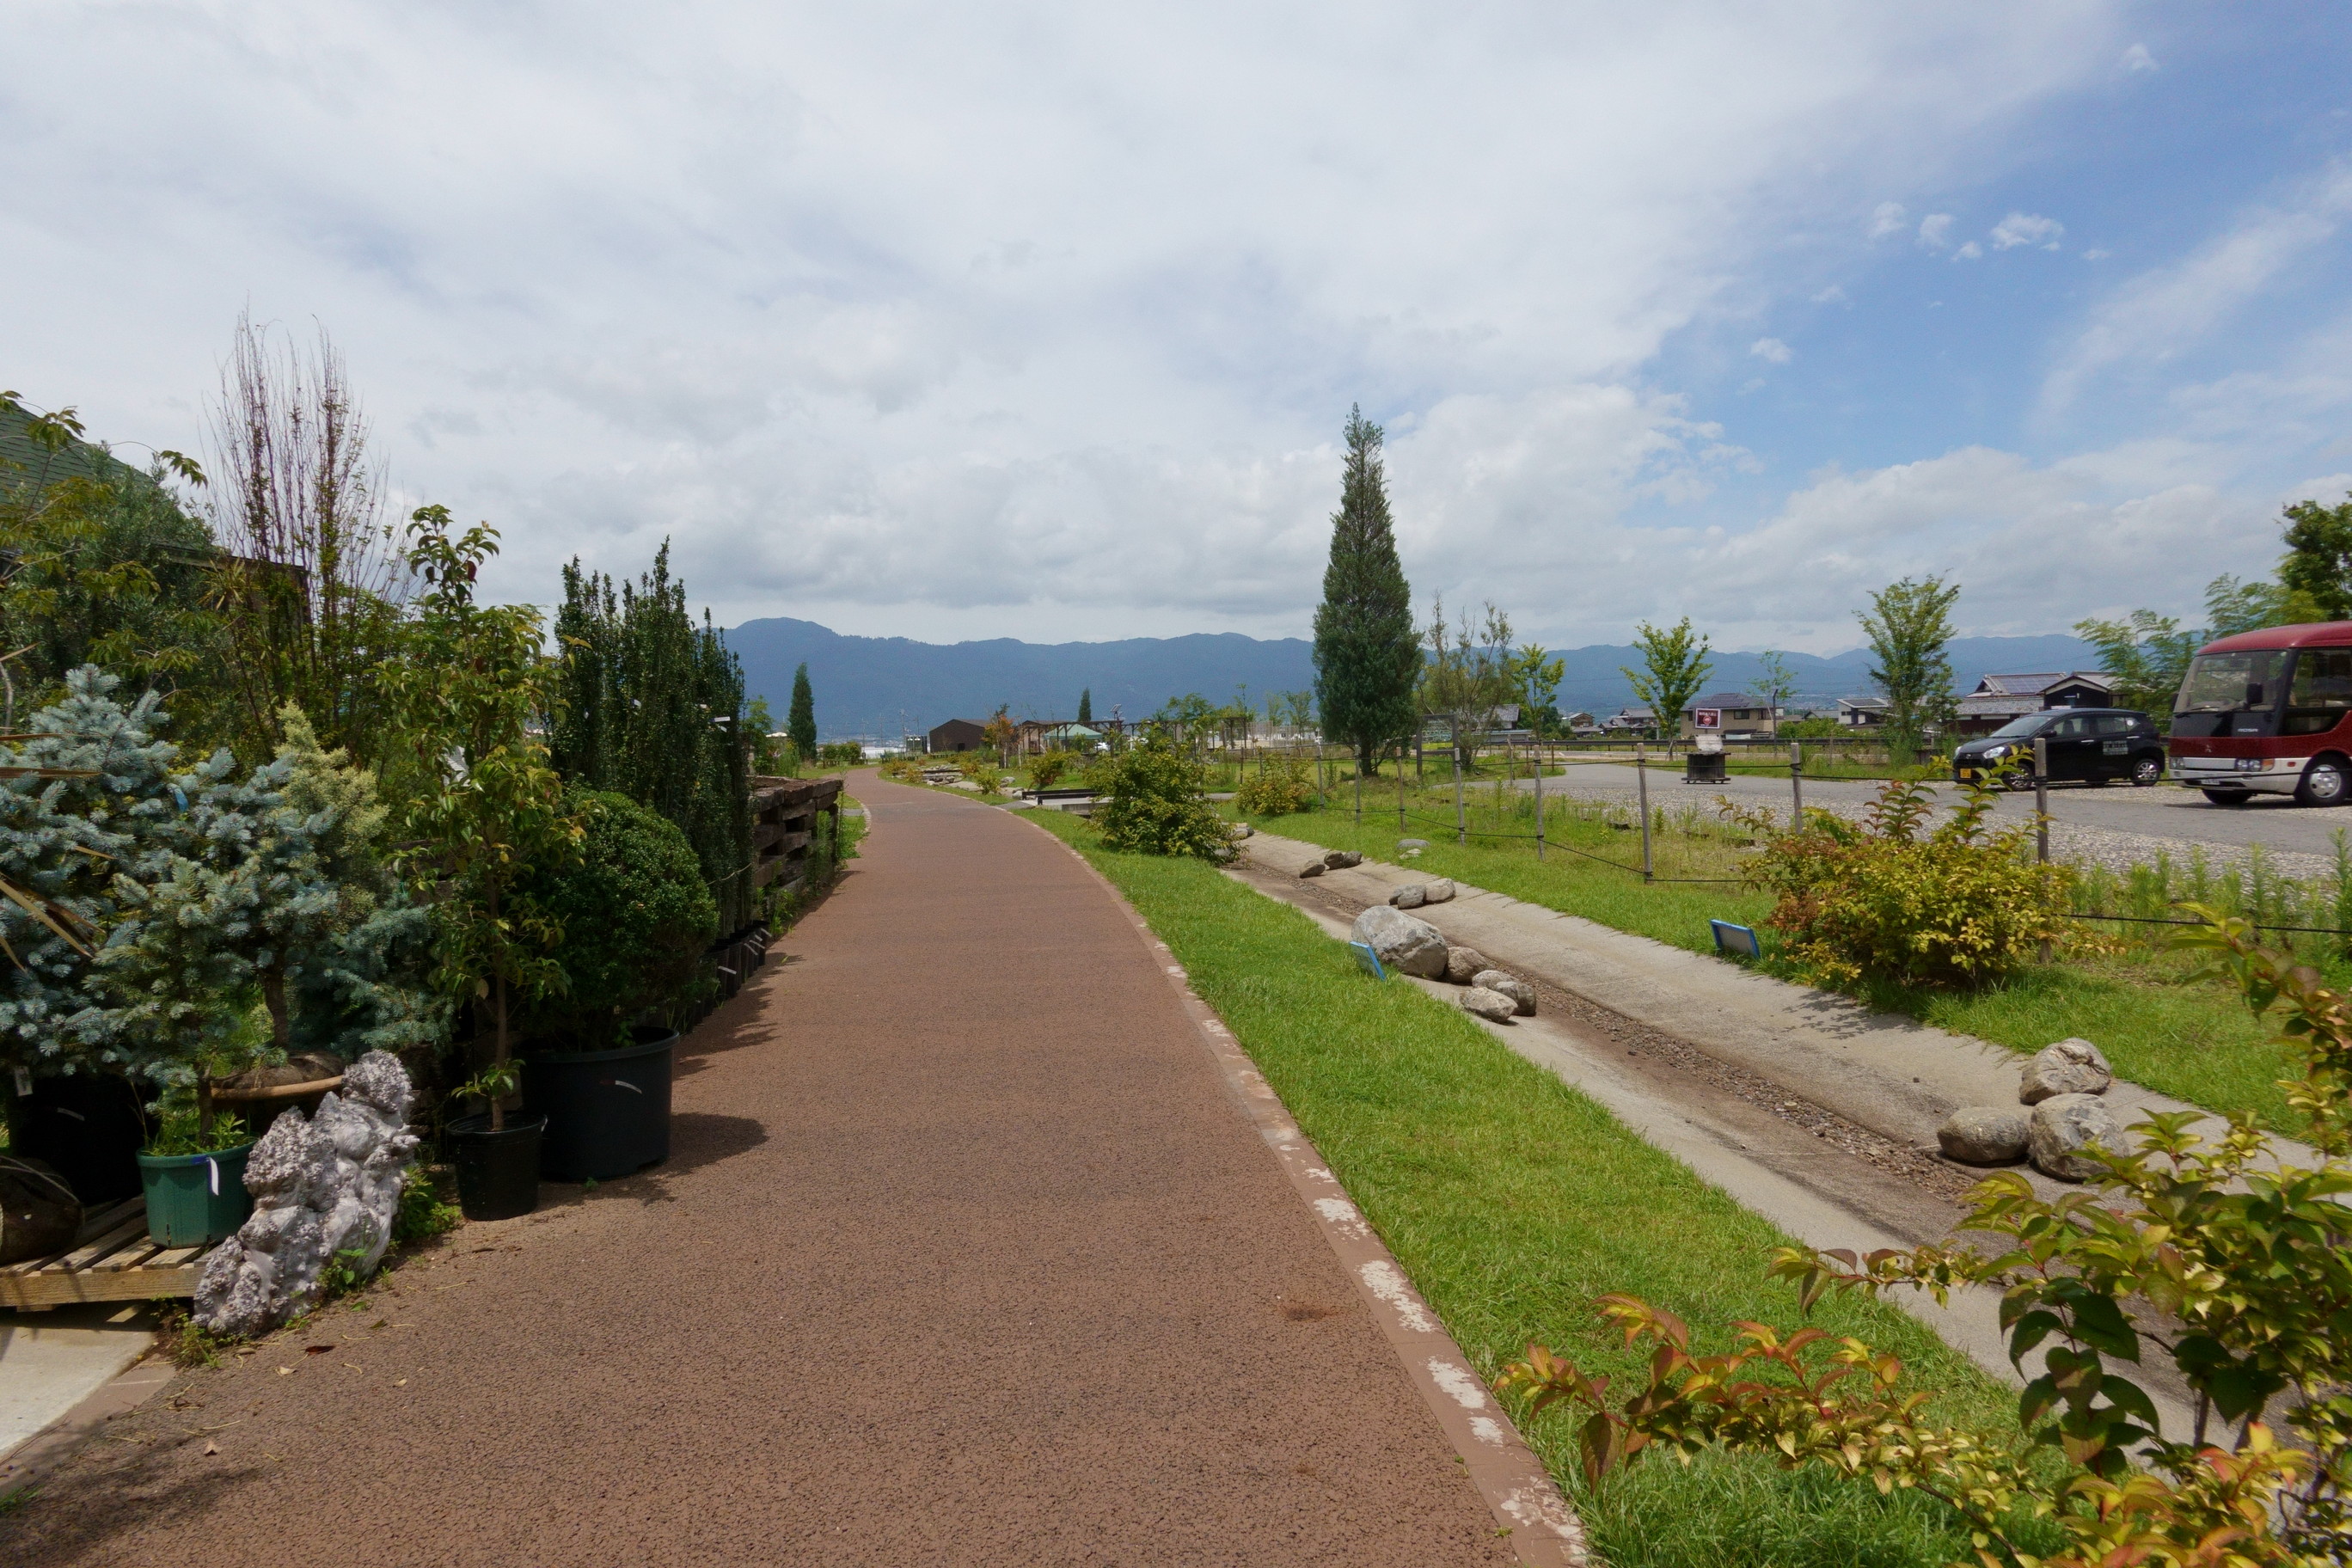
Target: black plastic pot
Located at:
point(497, 1173)
point(87, 1127)
point(607, 1112)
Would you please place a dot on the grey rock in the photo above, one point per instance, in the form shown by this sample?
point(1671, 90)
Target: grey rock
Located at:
point(1462, 964)
point(1438, 892)
point(1404, 943)
point(1510, 985)
point(1409, 897)
point(1243, 830)
point(1984, 1135)
point(1492, 1005)
point(1413, 843)
point(2069, 1066)
point(323, 1185)
point(2061, 1127)
point(1313, 869)
point(1340, 859)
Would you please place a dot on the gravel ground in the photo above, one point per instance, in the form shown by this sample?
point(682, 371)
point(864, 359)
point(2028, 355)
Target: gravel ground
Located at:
point(962, 1257)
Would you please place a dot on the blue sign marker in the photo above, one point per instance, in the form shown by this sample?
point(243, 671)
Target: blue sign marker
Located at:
point(1736, 941)
point(1367, 960)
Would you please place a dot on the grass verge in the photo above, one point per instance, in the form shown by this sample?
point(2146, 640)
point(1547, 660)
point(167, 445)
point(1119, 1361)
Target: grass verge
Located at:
point(2193, 1039)
point(1513, 1201)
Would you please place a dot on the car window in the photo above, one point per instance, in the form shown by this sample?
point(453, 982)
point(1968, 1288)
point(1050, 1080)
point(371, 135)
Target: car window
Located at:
point(2070, 728)
point(2020, 729)
point(2113, 723)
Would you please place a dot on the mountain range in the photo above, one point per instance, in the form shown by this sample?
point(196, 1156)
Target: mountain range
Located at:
point(882, 688)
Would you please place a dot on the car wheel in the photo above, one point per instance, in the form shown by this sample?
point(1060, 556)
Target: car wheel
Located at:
point(2229, 796)
point(2323, 783)
point(2021, 781)
point(2147, 770)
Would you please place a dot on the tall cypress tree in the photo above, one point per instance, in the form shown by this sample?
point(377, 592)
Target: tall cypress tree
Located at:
point(802, 724)
point(1087, 706)
point(1367, 649)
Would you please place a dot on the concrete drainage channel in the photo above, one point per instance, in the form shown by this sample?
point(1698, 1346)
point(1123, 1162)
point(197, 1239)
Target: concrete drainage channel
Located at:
point(1805, 1108)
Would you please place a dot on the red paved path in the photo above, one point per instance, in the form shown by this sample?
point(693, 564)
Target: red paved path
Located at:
point(963, 1257)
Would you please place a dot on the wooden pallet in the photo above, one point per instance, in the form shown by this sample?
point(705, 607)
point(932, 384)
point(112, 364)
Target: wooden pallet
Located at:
point(112, 1260)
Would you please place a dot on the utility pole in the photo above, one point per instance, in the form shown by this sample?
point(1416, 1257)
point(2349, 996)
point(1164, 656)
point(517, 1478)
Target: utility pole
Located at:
point(1642, 793)
point(1797, 781)
point(2042, 812)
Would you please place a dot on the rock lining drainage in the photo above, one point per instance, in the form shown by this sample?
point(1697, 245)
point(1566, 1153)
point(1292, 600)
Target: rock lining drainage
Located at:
point(1528, 1508)
point(1828, 1179)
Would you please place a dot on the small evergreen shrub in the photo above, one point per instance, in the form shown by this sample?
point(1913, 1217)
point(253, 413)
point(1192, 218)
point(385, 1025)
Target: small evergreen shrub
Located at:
point(636, 916)
point(1050, 769)
point(1281, 788)
point(1960, 905)
point(1155, 801)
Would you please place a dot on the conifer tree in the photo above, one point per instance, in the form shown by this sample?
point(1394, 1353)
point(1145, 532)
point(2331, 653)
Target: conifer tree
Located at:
point(1087, 706)
point(803, 721)
point(1367, 649)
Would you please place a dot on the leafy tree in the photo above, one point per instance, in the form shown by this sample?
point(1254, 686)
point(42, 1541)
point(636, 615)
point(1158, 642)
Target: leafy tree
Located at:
point(769, 754)
point(1367, 653)
point(2224, 1255)
point(1778, 684)
point(803, 721)
point(1536, 676)
point(2232, 606)
point(2318, 563)
point(651, 706)
point(1000, 731)
point(2145, 656)
point(1087, 706)
point(492, 814)
point(1909, 625)
point(106, 568)
point(1467, 673)
point(1674, 666)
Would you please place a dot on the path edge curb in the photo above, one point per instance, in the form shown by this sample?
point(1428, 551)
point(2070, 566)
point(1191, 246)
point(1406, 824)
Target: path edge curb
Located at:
point(1527, 1505)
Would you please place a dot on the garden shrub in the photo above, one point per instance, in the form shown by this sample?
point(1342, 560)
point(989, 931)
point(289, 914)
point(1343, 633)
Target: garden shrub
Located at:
point(1282, 786)
point(1961, 904)
point(1155, 800)
point(2224, 1255)
point(1046, 770)
point(636, 916)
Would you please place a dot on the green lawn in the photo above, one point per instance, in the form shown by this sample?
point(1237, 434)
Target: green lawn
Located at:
point(2195, 1040)
point(1513, 1201)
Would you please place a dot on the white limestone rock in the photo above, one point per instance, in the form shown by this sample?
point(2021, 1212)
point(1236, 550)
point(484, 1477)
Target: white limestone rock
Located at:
point(2064, 1125)
point(322, 1186)
point(1438, 892)
point(1510, 985)
point(1463, 964)
point(1983, 1135)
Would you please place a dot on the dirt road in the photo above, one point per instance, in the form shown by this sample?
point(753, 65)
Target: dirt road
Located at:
point(964, 1257)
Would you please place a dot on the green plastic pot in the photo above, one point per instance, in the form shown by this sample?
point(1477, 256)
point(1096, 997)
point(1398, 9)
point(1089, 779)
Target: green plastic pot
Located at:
point(194, 1200)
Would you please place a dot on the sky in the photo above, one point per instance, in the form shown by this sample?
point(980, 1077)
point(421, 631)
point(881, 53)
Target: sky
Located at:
point(1044, 320)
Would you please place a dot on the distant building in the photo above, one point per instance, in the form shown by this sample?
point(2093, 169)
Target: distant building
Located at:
point(956, 736)
point(1630, 722)
point(1738, 716)
point(1862, 712)
point(1998, 698)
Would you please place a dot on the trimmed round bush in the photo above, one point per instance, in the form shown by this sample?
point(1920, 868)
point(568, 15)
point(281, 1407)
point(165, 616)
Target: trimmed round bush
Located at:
point(637, 917)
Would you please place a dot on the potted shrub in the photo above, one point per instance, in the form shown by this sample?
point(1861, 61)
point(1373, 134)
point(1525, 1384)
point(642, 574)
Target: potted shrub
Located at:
point(192, 1171)
point(637, 917)
point(487, 814)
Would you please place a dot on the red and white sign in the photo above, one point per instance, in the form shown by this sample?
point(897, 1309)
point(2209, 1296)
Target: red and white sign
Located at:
point(1707, 718)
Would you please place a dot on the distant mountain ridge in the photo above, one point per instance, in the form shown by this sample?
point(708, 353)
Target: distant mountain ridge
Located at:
point(883, 687)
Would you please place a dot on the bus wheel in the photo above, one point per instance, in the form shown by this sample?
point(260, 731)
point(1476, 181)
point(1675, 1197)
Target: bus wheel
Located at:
point(2229, 796)
point(2323, 783)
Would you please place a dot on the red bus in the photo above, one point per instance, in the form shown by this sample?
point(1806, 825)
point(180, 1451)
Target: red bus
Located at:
point(2268, 712)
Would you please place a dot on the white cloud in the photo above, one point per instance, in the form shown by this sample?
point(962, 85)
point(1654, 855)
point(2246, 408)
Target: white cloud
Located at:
point(2025, 228)
point(1968, 252)
point(2096, 255)
point(1888, 218)
point(1772, 349)
point(1041, 316)
point(2156, 315)
point(1832, 295)
point(2136, 59)
point(1936, 230)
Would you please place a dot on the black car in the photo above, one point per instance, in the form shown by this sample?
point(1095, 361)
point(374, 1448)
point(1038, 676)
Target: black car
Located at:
point(2090, 745)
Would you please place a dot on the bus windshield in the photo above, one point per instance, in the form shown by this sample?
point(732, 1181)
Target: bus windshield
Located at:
point(2224, 682)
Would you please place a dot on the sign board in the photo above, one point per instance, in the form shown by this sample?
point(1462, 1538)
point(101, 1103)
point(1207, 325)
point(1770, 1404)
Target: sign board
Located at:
point(1736, 941)
point(1707, 718)
point(1711, 743)
point(1367, 960)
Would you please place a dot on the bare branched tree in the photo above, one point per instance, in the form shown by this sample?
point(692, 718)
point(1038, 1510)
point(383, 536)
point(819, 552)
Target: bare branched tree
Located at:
point(311, 581)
